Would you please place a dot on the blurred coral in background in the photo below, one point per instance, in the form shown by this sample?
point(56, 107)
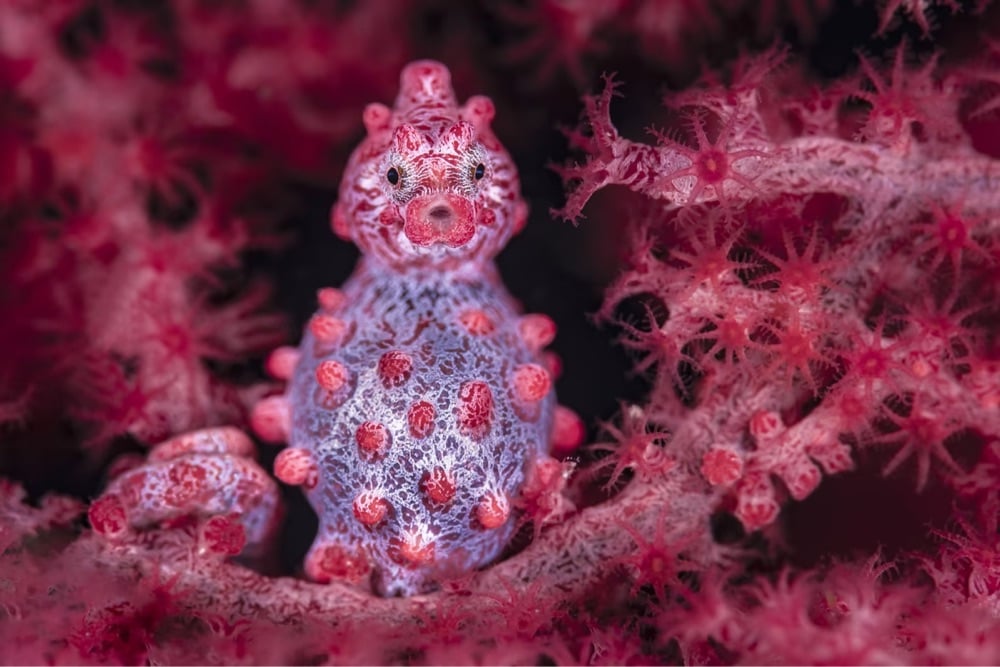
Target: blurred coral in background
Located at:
point(779, 315)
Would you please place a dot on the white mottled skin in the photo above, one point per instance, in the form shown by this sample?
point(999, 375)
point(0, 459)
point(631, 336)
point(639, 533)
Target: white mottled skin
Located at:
point(418, 311)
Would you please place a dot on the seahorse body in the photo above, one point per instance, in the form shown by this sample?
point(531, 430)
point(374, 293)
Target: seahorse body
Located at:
point(420, 397)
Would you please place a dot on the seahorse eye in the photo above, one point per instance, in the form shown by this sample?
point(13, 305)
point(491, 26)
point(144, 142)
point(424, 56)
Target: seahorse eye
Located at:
point(392, 175)
point(480, 171)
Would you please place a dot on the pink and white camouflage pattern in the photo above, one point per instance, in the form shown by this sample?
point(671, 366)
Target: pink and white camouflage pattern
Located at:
point(420, 401)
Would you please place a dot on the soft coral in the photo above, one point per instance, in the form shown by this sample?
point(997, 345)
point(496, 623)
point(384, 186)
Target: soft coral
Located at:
point(766, 317)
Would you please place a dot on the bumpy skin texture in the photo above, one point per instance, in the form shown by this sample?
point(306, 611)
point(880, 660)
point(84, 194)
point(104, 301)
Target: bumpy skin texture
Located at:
point(423, 448)
point(211, 474)
point(416, 398)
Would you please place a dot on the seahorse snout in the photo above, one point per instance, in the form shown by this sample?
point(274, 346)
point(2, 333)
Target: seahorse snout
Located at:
point(440, 218)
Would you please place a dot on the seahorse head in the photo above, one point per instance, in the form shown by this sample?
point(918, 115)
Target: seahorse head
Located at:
point(430, 184)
